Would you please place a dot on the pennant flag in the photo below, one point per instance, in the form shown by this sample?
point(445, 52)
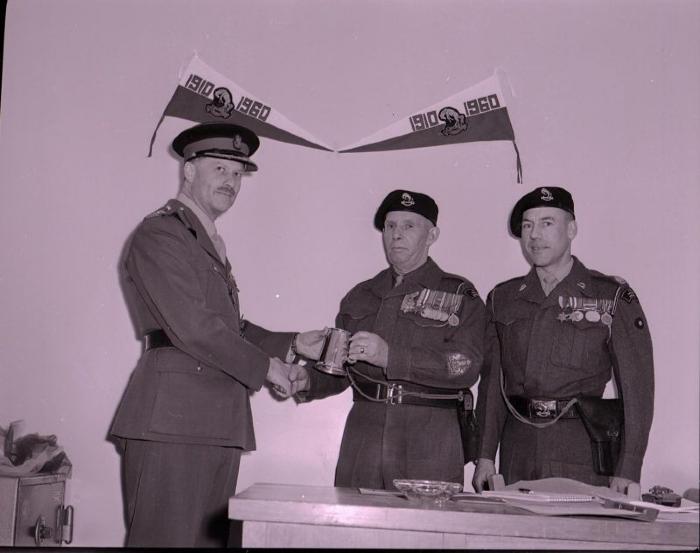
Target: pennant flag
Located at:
point(476, 114)
point(203, 95)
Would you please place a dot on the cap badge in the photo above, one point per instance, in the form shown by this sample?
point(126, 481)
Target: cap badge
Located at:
point(239, 145)
point(222, 104)
point(407, 200)
point(546, 195)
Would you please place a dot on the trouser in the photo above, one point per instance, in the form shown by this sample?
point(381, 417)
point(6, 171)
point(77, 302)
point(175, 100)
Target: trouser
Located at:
point(381, 443)
point(177, 494)
point(560, 450)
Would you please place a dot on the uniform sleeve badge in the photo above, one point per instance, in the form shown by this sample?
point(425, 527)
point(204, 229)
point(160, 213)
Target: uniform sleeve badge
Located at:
point(457, 364)
point(628, 295)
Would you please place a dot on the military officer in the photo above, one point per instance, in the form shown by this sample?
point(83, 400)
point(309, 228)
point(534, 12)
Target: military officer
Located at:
point(185, 416)
point(554, 335)
point(416, 348)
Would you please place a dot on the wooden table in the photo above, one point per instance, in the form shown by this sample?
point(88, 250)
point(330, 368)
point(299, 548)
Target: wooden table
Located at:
point(280, 515)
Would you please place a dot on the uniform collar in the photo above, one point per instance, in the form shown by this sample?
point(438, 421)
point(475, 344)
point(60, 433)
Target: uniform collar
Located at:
point(576, 283)
point(558, 275)
point(196, 226)
point(428, 275)
point(206, 221)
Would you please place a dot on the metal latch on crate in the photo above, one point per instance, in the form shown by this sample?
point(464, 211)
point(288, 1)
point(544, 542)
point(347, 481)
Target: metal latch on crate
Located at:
point(63, 531)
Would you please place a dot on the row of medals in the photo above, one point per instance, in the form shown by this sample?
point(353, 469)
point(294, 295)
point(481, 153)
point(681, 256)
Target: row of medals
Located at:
point(435, 305)
point(593, 310)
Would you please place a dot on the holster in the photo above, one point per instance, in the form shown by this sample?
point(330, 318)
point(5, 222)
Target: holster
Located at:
point(468, 428)
point(604, 420)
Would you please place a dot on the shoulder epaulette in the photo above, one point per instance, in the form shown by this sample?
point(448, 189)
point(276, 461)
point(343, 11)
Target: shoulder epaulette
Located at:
point(616, 280)
point(508, 281)
point(623, 289)
point(165, 210)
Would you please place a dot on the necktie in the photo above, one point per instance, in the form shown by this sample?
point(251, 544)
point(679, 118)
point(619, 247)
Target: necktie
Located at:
point(399, 280)
point(549, 284)
point(220, 246)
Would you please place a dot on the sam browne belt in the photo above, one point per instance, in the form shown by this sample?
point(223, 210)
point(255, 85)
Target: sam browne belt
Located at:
point(156, 339)
point(405, 394)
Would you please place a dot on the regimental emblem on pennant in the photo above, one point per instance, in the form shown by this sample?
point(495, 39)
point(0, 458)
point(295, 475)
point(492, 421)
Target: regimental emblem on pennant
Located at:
point(593, 310)
point(455, 122)
point(222, 103)
point(457, 364)
point(434, 304)
point(407, 200)
point(546, 195)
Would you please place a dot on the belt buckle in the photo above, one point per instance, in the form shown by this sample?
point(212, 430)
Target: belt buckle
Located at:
point(467, 401)
point(393, 394)
point(544, 408)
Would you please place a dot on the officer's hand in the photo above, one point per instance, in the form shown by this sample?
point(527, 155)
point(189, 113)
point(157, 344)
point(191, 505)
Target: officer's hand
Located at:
point(484, 469)
point(299, 378)
point(619, 484)
point(278, 377)
point(370, 348)
point(310, 343)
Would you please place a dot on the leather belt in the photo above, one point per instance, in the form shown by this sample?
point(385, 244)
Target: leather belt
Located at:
point(156, 339)
point(403, 394)
point(542, 408)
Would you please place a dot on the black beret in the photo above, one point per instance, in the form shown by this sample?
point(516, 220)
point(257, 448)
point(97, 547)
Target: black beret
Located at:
point(551, 196)
point(405, 200)
point(220, 140)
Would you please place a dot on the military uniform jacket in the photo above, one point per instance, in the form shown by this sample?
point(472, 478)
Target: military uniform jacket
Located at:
point(198, 391)
point(546, 351)
point(422, 351)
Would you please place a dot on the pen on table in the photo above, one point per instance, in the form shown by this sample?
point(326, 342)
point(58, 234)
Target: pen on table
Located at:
point(524, 490)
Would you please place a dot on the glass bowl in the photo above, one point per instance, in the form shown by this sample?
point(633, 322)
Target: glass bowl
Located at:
point(428, 491)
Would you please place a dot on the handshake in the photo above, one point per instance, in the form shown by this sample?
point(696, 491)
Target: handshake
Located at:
point(288, 379)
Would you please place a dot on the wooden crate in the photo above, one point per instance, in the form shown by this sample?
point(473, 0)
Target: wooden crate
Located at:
point(32, 512)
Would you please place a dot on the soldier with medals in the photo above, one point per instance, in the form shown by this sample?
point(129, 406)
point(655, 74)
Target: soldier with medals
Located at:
point(185, 416)
point(416, 348)
point(555, 337)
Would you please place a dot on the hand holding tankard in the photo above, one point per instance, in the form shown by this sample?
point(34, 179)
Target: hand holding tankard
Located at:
point(370, 348)
point(334, 352)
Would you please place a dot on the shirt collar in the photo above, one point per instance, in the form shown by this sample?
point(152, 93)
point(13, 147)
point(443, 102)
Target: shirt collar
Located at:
point(558, 275)
point(206, 221)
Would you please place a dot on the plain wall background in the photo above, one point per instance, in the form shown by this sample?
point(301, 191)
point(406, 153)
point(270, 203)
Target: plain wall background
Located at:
point(606, 104)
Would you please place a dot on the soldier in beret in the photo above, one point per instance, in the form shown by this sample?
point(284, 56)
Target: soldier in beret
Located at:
point(553, 337)
point(416, 348)
point(185, 417)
